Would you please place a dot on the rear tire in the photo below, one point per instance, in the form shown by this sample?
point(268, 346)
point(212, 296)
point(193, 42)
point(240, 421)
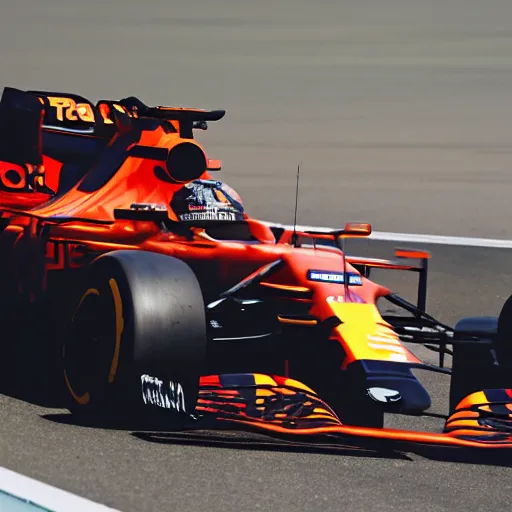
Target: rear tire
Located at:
point(136, 334)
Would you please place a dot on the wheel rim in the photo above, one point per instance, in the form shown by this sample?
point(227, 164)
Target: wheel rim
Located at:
point(87, 349)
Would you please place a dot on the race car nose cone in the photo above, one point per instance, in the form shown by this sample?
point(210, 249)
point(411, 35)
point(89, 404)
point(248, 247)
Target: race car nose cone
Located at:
point(384, 395)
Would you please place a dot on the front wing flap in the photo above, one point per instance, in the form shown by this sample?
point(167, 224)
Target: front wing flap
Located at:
point(281, 406)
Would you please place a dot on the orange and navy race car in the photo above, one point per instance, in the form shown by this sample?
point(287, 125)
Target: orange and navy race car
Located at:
point(158, 292)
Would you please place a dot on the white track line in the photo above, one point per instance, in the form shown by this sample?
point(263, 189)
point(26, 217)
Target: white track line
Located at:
point(45, 495)
point(418, 238)
point(495, 243)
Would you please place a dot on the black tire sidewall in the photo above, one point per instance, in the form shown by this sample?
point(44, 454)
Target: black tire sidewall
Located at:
point(163, 328)
point(503, 343)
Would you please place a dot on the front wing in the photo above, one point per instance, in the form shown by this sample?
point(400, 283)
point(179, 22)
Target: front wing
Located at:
point(285, 407)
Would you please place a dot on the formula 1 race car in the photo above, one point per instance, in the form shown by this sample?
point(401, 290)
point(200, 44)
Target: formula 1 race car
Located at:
point(159, 292)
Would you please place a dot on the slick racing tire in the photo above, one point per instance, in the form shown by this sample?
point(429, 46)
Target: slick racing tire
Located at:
point(135, 341)
point(482, 366)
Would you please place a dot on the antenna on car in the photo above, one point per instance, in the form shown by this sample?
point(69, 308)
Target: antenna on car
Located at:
point(345, 273)
point(295, 238)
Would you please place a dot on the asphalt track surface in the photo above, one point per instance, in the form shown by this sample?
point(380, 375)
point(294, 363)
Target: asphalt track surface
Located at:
point(401, 113)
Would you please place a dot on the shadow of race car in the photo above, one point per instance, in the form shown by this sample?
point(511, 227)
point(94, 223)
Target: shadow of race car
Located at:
point(154, 290)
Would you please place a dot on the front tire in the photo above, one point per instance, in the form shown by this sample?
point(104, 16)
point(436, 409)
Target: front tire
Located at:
point(503, 343)
point(136, 337)
point(482, 366)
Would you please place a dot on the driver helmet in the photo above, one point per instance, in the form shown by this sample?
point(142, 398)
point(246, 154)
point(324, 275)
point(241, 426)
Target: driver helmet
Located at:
point(208, 201)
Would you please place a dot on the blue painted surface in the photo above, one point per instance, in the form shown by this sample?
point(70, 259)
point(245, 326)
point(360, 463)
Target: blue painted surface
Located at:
point(10, 503)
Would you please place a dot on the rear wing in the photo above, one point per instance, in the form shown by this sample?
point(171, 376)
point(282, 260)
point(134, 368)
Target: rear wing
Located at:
point(21, 117)
point(30, 118)
point(75, 114)
point(63, 110)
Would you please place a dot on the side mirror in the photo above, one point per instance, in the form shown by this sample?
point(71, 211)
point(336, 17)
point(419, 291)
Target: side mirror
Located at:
point(355, 229)
point(214, 165)
point(261, 231)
